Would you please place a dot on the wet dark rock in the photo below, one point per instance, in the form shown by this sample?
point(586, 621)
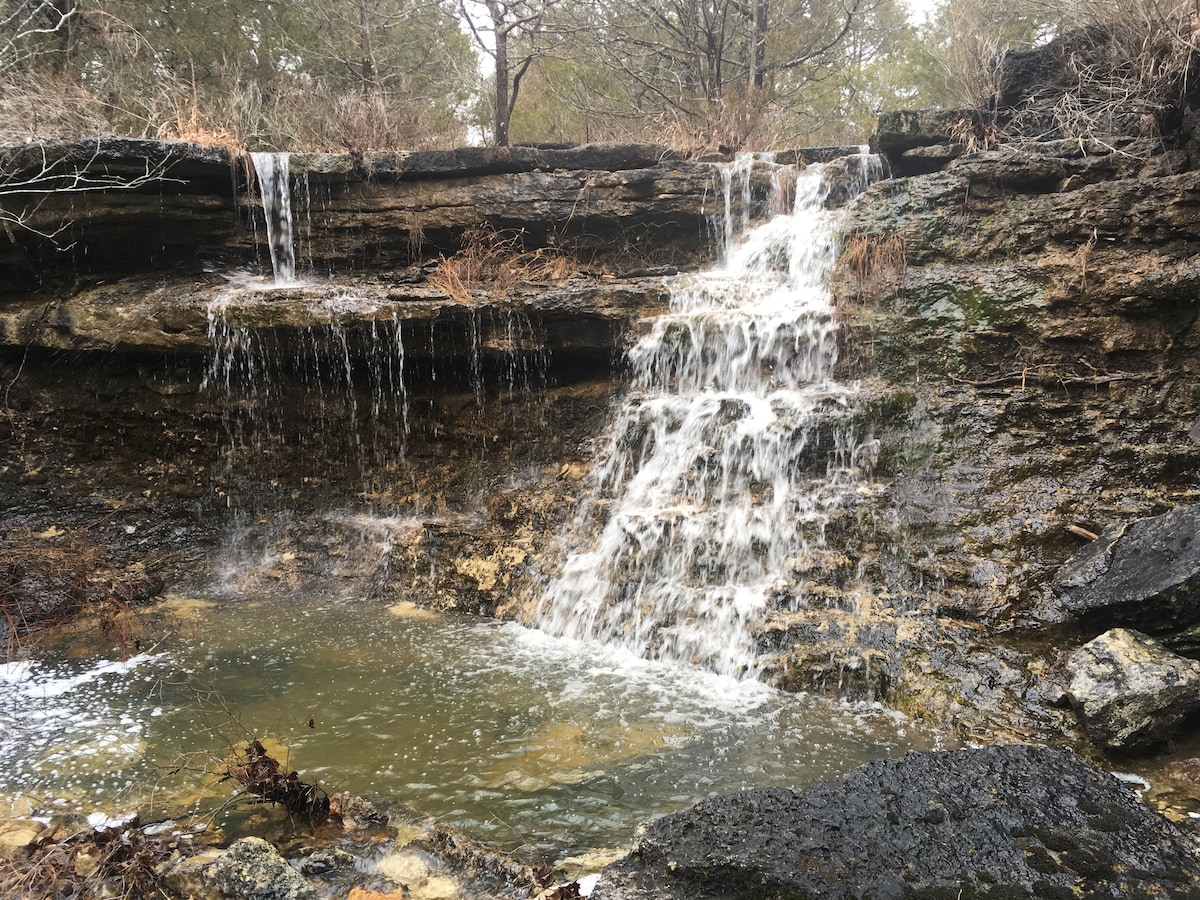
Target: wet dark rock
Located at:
point(901, 130)
point(470, 161)
point(1144, 574)
point(326, 859)
point(999, 822)
point(377, 210)
point(1130, 690)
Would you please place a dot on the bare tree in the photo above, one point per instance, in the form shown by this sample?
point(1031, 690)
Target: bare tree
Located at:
point(509, 31)
point(710, 70)
point(33, 28)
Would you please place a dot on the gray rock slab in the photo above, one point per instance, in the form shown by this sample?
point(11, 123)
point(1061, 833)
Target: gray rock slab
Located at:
point(1010, 822)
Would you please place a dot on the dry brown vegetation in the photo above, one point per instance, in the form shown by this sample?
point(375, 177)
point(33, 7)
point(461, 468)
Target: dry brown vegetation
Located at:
point(83, 862)
point(871, 269)
point(496, 261)
point(48, 579)
point(266, 778)
point(1128, 71)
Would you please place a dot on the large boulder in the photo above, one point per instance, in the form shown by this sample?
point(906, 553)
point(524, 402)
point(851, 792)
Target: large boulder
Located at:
point(1145, 574)
point(1008, 822)
point(1130, 690)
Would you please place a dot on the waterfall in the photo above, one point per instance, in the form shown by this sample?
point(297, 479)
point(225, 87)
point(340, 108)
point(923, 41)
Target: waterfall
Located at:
point(728, 455)
point(275, 187)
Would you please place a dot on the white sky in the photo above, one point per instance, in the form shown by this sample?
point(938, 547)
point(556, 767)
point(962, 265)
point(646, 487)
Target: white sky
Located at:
point(919, 9)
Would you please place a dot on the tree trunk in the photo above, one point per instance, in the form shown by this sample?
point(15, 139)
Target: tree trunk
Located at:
point(369, 82)
point(503, 107)
point(758, 44)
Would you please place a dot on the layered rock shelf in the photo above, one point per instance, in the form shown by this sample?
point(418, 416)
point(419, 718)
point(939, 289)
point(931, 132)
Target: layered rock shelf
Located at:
point(1020, 320)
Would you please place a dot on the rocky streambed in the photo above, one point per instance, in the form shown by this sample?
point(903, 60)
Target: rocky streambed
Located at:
point(1021, 323)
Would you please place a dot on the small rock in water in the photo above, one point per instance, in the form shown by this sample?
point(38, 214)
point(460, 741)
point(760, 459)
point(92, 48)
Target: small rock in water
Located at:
point(1130, 690)
point(18, 836)
point(325, 860)
point(355, 812)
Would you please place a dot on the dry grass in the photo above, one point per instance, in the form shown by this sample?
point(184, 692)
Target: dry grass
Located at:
point(47, 107)
point(872, 269)
point(974, 134)
point(188, 123)
point(1127, 76)
point(114, 862)
point(1117, 68)
point(48, 579)
point(496, 261)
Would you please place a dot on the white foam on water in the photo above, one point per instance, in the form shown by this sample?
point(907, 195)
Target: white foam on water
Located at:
point(65, 730)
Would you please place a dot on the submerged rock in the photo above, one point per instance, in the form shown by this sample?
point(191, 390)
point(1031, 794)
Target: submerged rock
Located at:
point(1130, 690)
point(1011, 821)
point(1145, 574)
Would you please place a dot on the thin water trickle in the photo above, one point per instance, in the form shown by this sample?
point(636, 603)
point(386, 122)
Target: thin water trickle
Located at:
point(335, 392)
point(729, 454)
point(275, 189)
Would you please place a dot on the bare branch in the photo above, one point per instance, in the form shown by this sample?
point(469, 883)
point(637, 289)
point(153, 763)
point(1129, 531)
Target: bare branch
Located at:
point(25, 188)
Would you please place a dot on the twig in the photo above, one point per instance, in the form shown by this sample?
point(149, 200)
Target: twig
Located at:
point(1024, 376)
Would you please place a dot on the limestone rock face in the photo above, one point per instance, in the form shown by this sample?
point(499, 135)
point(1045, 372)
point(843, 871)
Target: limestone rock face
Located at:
point(1025, 321)
point(1003, 821)
point(198, 210)
point(1144, 573)
point(1130, 690)
point(916, 142)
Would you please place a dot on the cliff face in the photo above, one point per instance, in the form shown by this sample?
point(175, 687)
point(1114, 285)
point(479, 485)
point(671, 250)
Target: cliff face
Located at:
point(140, 264)
point(1024, 320)
point(448, 350)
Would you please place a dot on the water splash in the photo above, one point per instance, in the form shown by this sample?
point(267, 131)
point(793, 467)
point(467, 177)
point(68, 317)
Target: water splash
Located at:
point(275, 188)
point(730, 453)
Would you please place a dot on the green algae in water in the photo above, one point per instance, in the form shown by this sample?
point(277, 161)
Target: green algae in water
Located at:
point(517, 738)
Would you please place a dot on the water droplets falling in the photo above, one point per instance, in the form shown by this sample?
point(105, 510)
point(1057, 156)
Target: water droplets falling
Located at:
point(729, 454)
point(332, 397)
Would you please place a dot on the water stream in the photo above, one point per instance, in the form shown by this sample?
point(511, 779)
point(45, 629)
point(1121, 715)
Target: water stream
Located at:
point(274, 185)
point(522, 739)
point(728, 454)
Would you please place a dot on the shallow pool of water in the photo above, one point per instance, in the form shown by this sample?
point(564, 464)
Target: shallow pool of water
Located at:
point(518, 738)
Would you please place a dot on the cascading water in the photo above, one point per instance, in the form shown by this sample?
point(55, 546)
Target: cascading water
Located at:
point(727, 456)
point(274, 186)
